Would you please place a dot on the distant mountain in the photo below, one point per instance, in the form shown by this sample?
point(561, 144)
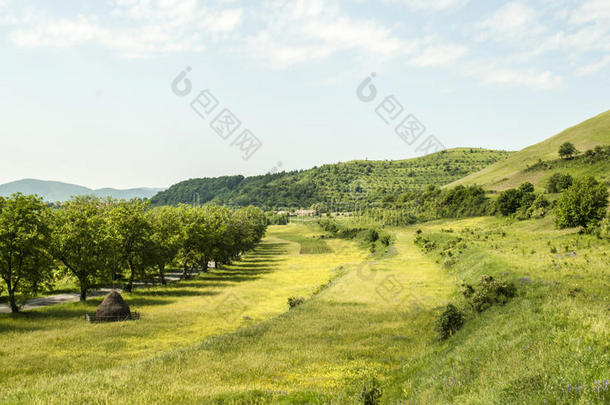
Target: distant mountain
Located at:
point(339, 183)
point(53, 191)
point(537, 163)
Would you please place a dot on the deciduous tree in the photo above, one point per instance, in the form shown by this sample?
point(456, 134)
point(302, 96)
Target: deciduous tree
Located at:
point(166, 237)
point(81, 241)
point(131, 229)
point(25, 263)
point(567, 150)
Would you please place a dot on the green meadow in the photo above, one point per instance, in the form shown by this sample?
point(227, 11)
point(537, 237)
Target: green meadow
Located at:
point(513, 171)
point(229, 337)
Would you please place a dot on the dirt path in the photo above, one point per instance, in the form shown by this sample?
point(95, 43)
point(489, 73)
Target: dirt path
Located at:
point(47, 301)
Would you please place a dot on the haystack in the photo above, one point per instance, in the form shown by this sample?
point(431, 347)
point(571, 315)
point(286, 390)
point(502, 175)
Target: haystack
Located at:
point(113, 309)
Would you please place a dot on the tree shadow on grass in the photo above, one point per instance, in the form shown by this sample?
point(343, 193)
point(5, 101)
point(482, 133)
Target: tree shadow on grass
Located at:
point(174, 292)
point(34, 320)
point(253, 266)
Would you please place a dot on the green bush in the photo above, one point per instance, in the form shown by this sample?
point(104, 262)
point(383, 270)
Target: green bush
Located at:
point(584, 204)
point(466, 289)
point(517, 201)
point(329, 225)
point(559, 182)
point(526, 187)
point(369, 235)
point(295, 301)
point(509, 201)
point(539, 207)
point(450, 321)
point(491, 291)
point(385, 239)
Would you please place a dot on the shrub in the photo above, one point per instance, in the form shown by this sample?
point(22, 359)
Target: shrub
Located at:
point(490, 292)
point(463, 202)
point(584, 204)
point(329, 225)
point(429, 246)
point(526, 187)
point(369, 235)
point(385, 239)
point(517, 201)
point(450, 321)
point(295, 301)
point(466, 289)
point(559, 182)
point(509, 201)
point(539, 207)
point(370, 393)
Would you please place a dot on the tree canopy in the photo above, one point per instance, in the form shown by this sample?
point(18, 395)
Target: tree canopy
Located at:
point(25, 264)
point(567, 150)
point(584, 204)
point(102, 241)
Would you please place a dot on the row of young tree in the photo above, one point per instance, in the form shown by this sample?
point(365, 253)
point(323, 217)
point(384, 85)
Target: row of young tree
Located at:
point(101, 241)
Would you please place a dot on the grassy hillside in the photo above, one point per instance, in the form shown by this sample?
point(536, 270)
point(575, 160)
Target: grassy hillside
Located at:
point(340, 183)
point(228, 338)
point(514, 170)
point(53, 191)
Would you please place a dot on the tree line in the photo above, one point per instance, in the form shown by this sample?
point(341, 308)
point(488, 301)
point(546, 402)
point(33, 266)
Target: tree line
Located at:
point(340, 182)
point(105, 240)
point(583, 202)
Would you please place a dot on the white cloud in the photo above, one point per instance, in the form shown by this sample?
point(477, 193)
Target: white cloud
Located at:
point(284, 33)
point(510, 23)
point(6, 19)
point(431, 5)
point(298, 31)
point(492, 74)
point(437, 55)
point(594, 67)
point(591, 11)
point(224, 21)
point(59, 32)
point(135, 28)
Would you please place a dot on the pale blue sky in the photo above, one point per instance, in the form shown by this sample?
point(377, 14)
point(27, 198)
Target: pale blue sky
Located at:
point(86, 86)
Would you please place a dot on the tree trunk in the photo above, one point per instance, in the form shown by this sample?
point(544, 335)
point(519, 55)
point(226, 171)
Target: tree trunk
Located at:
point(11, 301)
point(162, 274)
point(205, 265)
point(129, 286)
point(83, 293)
point(185, 271)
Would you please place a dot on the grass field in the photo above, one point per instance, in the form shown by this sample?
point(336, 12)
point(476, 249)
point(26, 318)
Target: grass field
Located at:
point(512, 171)
point(229, 338)
point(307, 239)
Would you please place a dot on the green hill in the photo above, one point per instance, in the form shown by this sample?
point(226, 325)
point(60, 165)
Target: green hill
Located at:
point(53, 191)
point(538, 162)
point(339, 183)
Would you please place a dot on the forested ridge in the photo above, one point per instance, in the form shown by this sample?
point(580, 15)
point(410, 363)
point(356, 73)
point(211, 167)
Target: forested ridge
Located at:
point(338, 183)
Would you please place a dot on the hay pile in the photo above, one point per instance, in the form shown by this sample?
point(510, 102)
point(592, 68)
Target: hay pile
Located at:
point(113, 309)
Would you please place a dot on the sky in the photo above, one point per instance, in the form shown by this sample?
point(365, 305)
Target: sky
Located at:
point(147, 93)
